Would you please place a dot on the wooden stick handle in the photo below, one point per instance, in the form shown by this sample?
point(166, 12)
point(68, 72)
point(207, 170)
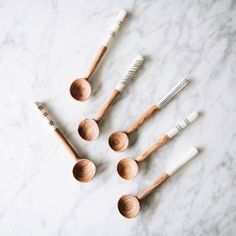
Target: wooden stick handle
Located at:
point(151, 187)
point(115, 28)
point(153, 109)
point(164, 139)
point(53, 125)
point(96, 61)
point(106, 105)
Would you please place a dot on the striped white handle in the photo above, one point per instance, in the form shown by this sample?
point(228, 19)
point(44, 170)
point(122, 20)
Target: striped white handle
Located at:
point(47, 117)
point(182, 124)
point(192, 152)
point(115, 28)
point(130, 73)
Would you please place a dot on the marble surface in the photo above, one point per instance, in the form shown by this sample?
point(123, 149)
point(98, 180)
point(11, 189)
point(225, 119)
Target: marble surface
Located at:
point(45, 45)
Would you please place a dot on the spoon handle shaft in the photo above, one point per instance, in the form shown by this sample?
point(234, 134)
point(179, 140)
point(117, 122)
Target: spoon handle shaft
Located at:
point(115, 28)
point(52, 124)
point(152, 110)
point(106, 105)
point(151, 187)
point(164, 139)
point(96, 61)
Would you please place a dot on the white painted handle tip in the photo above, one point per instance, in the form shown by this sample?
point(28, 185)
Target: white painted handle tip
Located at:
point(190, 154)
point(122, 15)
point(193, 116)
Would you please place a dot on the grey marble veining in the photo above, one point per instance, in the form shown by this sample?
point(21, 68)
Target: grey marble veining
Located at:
point(45, 45)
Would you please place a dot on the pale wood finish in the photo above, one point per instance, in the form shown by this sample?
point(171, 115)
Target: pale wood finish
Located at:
point(127, 168)
point(118, 141)
point(164, 139)
point(151, 187)
point(153, 109)
point(106, 105)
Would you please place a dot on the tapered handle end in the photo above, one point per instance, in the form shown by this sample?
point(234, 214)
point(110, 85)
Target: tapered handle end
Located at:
point(191, 153)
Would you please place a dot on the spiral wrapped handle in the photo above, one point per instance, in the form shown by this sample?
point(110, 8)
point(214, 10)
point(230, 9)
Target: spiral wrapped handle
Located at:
point(115, 29)
point(46, 115)
point(130, 73)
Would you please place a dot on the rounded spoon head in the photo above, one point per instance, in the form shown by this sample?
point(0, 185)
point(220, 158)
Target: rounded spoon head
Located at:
point(84, 170)
point(80, 89)
point(127, 168)
point(88, 129)
point(128, 206)
point(118, 141)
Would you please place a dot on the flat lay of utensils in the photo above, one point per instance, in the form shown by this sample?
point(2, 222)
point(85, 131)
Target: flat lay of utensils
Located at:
point(84, 169)
point(119, 140)
point(127, 168)
point(80, 89)
point(88, 129)
point(129, 205)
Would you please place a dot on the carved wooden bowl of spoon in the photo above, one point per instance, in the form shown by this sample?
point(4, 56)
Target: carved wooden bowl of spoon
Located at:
point(119, 140)
point(129, 205)
point(80, 89)
point(128, 168)
point(84, 170)
point(88, 129)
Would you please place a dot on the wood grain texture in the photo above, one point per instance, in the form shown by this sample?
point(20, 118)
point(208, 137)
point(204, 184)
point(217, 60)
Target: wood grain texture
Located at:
point(127, 168)
point(142, 119)
point(164, 139)
point(96, 61)
point(151, 187)
point(118, 141)
point(106, 105)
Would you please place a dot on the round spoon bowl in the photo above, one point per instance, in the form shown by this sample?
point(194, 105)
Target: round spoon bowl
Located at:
point(118, 141)
point(128, 206)
point(88, 129)
point(127, 168)
point(80, 89)
point(84, 170)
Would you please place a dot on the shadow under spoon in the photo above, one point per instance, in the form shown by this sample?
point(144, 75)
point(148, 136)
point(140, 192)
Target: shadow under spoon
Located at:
point(84, 169)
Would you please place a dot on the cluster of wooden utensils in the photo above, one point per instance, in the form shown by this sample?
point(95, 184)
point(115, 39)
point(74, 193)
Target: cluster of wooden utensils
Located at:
point(84, 170)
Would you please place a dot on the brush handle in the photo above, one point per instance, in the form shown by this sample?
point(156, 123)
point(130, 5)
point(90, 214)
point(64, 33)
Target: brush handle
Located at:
point(191, 153)
point(182, 124)
point(52, 124)
point(151, 187)
point(172, 93)
point(115, 28)
point(130, 73)
point(163, 140)
point(106, 105)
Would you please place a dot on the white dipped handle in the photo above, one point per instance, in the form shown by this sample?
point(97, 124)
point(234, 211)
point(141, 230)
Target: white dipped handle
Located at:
point(182, 124)
point(130, 73)
point(192, 152)
point(45, 114)
point(113, 32)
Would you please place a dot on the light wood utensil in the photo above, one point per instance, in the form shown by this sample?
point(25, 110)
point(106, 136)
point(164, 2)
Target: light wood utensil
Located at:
point(88, 129)
point(80, 89)
point(129, 205)
point(127, 168)
point(84, 169)
point(119, 140)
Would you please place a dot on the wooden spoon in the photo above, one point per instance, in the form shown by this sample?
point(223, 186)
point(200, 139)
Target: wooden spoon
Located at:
point(84, 169)
point(88, 129)
point(129, 205)
point(80, 89)
point(127, 168)
point(119, 140)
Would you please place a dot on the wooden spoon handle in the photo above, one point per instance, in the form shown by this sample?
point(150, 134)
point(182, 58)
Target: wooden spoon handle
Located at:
point(151, 187)
point(153, 109)
point(106, 105)
point(96, 61)
point(164, 139)
point(53, 125)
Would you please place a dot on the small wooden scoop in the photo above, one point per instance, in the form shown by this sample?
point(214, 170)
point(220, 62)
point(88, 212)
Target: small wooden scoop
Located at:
point(80, 89)
point(127, 168)
point(119, 140)
point(88, 129)
point(129, 205)
point(84, 169)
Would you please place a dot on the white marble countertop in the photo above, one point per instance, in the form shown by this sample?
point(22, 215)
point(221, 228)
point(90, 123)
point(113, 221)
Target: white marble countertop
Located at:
point(45, 45)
